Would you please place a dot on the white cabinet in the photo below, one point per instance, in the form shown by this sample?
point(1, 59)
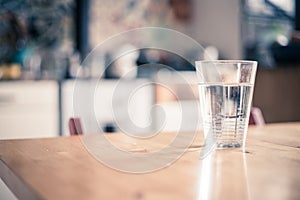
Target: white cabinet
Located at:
point(28, 109)
point(127, 104)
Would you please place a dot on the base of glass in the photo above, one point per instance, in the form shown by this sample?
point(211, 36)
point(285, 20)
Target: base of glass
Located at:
point(228, 145)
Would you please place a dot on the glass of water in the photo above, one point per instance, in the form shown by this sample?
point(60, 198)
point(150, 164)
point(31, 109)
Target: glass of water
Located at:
point(225, 91)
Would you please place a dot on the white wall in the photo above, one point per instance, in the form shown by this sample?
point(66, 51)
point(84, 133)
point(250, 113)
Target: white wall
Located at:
point(218, 23)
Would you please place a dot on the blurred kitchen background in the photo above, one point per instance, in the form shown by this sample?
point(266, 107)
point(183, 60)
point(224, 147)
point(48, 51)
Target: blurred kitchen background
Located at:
point(43, 43)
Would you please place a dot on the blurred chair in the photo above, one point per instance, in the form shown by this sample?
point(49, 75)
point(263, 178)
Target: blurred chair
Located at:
point(75, 127)
point(256, 117)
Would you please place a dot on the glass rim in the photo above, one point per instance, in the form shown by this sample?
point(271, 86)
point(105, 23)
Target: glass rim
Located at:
point(253, 62)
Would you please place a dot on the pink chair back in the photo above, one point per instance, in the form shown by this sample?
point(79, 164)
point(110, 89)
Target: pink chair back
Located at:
point(75, 126)
point(256, 117)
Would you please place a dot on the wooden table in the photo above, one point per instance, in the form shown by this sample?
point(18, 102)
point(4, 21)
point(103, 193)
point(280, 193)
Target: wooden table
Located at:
point(61, 168)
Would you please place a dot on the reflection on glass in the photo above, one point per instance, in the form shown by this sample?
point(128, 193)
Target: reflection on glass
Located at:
point(224, 175)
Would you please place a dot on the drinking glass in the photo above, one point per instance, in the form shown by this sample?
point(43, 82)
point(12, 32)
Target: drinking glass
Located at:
point(225, 91)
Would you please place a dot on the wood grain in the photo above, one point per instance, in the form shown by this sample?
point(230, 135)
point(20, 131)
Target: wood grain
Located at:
point(61, 168)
